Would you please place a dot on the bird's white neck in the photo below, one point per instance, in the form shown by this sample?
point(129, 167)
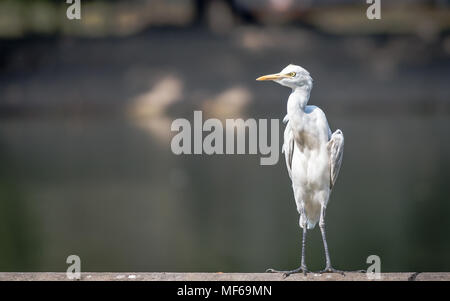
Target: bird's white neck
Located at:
point(297, 101)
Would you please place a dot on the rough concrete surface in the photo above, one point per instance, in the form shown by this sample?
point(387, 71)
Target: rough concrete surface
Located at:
point(222, 277)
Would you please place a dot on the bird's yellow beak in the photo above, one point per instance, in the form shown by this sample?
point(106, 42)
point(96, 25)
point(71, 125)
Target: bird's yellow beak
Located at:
point(272, 76)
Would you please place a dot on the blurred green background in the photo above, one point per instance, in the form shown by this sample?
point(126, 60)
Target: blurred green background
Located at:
point(85, 113)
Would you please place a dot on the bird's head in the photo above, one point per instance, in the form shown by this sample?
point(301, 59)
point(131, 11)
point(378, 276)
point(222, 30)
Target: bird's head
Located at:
point(292, 76)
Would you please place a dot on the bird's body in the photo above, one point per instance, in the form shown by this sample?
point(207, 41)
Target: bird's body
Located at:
point(306, 145)
point(313, 154)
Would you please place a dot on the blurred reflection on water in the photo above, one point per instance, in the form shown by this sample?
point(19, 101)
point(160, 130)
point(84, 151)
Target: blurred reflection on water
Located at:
point(114, 195)
point(85, 114)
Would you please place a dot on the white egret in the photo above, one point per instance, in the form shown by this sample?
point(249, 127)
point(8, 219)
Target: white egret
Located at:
point(313, 156)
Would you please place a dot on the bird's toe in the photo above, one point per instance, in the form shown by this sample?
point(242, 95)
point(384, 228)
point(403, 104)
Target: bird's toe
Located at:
point(285, 274)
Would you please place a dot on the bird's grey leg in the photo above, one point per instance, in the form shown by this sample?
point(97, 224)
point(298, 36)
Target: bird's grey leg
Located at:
point(328, 268)
point(302, 267)
point(303, 262)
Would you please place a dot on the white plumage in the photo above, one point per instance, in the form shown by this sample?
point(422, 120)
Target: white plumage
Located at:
point(313, 154)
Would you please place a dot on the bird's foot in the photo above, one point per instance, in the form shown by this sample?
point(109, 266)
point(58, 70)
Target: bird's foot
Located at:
point(330, 269)
point(301, 269)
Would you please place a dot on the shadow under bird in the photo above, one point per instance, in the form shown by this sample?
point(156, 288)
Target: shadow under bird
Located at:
point(313, 156)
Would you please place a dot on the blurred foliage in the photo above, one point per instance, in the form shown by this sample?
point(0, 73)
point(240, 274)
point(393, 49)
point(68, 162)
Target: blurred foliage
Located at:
point(106, 18)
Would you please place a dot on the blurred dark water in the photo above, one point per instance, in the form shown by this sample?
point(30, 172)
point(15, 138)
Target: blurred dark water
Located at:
point(80, 176)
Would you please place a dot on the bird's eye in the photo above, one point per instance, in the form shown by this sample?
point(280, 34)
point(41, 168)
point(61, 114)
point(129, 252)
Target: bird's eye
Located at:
point(292, 74)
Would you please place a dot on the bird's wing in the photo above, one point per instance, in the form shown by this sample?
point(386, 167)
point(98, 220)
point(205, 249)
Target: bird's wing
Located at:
point(288, 147)
point(336, 151)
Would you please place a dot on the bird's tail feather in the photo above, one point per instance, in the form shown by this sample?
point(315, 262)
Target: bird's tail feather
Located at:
point(309, 223)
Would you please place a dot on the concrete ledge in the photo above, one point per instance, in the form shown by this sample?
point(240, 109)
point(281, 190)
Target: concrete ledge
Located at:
point(221, 277)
